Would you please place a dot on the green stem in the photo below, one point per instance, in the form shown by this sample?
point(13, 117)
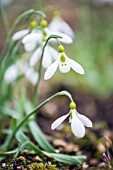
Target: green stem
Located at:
point(4, 17)
point(27, 117)
point(40, 66)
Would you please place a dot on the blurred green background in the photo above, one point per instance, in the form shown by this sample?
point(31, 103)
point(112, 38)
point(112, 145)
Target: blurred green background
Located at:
point(93, 45)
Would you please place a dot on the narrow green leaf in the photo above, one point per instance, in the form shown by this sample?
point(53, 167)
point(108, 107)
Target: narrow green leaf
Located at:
point(23, 138)
point(67, 159)
point(39, 137)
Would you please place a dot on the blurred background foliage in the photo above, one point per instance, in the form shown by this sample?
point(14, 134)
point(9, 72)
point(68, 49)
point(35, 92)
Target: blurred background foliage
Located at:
point(92, 22)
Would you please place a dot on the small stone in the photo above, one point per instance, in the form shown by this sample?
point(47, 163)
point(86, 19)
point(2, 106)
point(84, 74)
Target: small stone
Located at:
point(3, 165)
point(59, 142)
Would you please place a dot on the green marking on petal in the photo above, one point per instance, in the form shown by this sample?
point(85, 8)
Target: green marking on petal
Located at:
point(71, 115)
point(62, 58)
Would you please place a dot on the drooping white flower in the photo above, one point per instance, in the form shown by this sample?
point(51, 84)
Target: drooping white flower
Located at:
point(78, 122)
point(18, 69)
point(33, 39)
point(65, 64)
point(11, 74)
point(59, 25)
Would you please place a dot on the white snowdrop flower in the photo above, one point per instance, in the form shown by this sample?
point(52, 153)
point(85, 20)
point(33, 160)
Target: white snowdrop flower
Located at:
point(11, 74)
point(18, 69)
point(77, 121)
point(65, 64)
point(59, 25)
point(22, 33)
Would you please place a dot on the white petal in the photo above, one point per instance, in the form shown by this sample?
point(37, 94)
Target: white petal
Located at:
point(35, 57)
point(58, 24)
point(47, 59)
point(32, 37)
point(77, 126)
point(65, 38)
point(64, 67)
point(58, 121)
point(31, 75)
point(75, 66)
point(87, 122)
point(11, 74)
point(53, 52)
point(20, 34)
point(51, 70)
point(30, 46)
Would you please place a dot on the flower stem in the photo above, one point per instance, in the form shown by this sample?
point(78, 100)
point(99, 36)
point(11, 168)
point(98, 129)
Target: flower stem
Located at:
point(4, 17)
point(40, 66)
point(27, 117)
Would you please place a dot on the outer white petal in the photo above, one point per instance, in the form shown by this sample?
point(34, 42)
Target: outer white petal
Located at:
point(47, 59)
point(30, 74)
point(32, 37)
point(75, 66)
point(35, 57)
point(30, 46)
point(51, 70)
point(77, 126)
point(64, 67)
point(54, 53)
point(11, 74)
point(87, 122)
point(20, 34)
point(58, 121)
point(68, 30)
point(65, 38)
point(58, 24)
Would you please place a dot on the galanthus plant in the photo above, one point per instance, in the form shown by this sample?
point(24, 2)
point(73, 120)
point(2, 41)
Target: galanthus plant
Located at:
point(76, 120)
point(21, 101)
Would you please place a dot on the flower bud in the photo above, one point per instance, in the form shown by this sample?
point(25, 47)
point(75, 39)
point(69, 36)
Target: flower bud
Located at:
point(60, 48)
point(72, 105)
point(43, 23)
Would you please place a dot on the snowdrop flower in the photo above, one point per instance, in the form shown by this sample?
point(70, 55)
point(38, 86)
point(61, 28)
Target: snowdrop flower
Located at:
point(22, 33)
point(59, 25)
point(18, 69)
point(38, 37)
point(11, 74)
point(77, 121)
point(64, 63)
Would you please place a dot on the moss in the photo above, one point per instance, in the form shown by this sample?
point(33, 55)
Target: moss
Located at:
point(41, 166)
